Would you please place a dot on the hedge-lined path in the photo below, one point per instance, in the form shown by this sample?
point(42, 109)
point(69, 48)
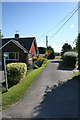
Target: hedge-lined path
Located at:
point(47, 100)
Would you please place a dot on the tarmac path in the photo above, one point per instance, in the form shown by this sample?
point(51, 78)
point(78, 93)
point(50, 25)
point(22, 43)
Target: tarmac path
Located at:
point(53, 94)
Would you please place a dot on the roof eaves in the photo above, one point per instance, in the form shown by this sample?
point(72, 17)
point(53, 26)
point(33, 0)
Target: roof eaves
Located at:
point(25, 51)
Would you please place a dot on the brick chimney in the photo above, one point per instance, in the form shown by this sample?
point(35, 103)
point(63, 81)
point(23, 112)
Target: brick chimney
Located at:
point(16, 35)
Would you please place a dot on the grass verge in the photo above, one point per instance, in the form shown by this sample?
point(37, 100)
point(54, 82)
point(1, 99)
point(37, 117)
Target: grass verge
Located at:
point(76, 75)
point(18, 91)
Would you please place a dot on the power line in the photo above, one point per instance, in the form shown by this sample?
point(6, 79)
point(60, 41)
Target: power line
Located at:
point(59, 22)
point(62, 20)
point(65, 22)
point(71, 13)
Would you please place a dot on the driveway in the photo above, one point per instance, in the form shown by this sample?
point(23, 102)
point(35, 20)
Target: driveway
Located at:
point(53, 94)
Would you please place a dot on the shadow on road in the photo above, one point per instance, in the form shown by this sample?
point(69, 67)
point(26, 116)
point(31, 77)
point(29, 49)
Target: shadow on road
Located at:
point(60, 101)
point(60, 67)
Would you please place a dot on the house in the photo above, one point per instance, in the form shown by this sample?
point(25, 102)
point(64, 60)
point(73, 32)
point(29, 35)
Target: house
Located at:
point(19, 49)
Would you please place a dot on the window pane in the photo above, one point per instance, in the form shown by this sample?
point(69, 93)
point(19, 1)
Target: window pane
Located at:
point(16, 55)
point(11, 55)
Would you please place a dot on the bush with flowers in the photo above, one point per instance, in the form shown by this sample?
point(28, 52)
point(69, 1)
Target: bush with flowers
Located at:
point(38, 61)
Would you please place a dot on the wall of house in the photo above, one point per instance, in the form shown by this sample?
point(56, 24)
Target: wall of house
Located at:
point(11, 47)
point(33, 50)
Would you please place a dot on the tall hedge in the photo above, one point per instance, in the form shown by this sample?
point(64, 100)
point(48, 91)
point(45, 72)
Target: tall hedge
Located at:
point(69, 59)
point(15, 72)
point(79, 51)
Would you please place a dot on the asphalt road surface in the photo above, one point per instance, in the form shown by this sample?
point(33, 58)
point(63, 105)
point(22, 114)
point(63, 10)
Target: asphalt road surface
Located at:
point(53, 94)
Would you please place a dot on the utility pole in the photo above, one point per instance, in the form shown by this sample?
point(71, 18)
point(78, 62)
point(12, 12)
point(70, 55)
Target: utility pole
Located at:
point(46, 41)
point(1, 35)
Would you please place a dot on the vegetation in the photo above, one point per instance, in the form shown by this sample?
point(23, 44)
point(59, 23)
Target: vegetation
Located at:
point(51, 56)
point(38, 61)
point(50, 53)
point(65, 48)
point(69, 59)
point(76, 75)
point(42, 50)
point(34, 58)
point(75, 49)
point(15, 72)
point(57, 54)
point(78, 45)
point(18, 91)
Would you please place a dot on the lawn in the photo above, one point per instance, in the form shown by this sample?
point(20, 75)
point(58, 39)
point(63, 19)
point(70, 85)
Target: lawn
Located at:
point(18, 91)
point(57, 57)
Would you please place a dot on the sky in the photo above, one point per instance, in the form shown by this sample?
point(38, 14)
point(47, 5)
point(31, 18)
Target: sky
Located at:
point(37, 19)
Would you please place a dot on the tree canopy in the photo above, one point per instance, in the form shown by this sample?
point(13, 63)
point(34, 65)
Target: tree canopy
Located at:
point(50, 52)
point(78, 46)
point(65, 48)
point(42, 50)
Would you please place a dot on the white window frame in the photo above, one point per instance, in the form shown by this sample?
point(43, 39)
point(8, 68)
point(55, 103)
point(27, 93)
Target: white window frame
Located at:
point(15, 56)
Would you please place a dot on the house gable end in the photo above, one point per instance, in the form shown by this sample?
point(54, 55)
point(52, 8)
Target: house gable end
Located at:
point(25, 51)
point(33, 49)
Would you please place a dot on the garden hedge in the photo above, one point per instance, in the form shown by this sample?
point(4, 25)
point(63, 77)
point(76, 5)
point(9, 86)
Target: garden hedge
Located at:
point(79, 51)
point(69, 59)
point(15, 72)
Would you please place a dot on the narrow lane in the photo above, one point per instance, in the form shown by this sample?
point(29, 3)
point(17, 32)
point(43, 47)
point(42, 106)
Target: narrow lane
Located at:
point(53, 94)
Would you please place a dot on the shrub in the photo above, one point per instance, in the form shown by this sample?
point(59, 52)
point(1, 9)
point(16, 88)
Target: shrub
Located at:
point(3, 89)
point(34, 59)
point(69, 59)
point(78, 47)
point(15, 72)
point(39, 62)
point(51, 56)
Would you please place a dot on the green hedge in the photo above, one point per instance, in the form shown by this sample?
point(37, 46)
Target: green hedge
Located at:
point(78, 51)
point(15, 72)
point(69, 59)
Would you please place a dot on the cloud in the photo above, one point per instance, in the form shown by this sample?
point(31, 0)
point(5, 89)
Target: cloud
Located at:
point(72, 26)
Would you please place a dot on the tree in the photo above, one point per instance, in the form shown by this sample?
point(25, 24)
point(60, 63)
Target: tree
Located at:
point(65, 48)
point(42, 50)
point(75, 49)
point(50, 48)
point(50, 52)
point(78, 45)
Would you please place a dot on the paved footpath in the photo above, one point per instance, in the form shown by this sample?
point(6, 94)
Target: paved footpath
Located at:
point(53, 94)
